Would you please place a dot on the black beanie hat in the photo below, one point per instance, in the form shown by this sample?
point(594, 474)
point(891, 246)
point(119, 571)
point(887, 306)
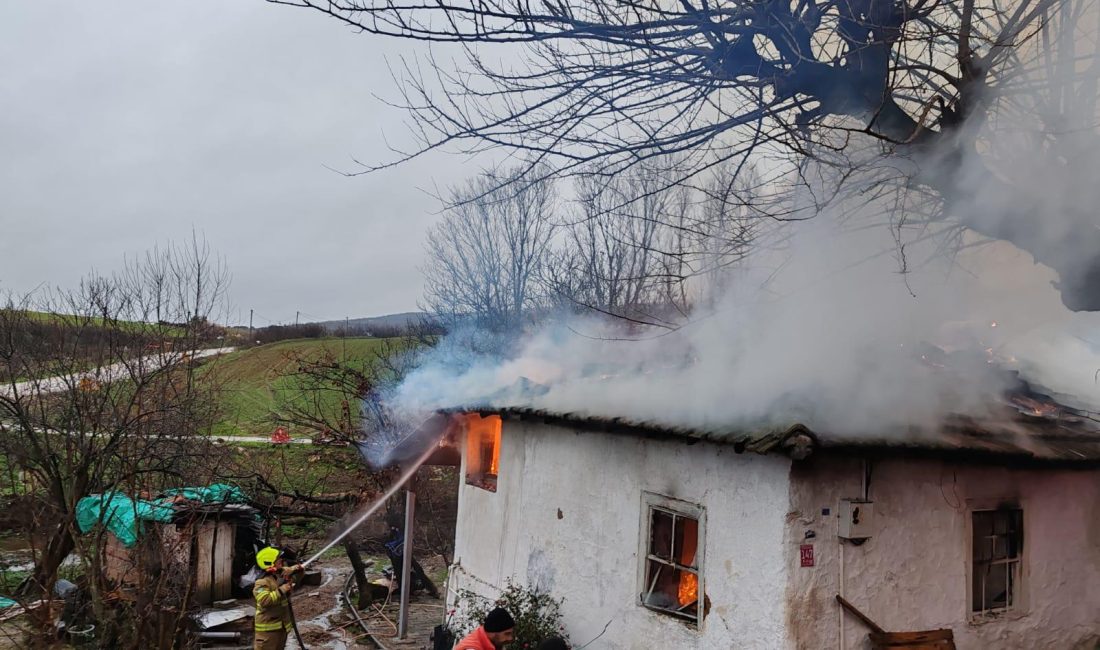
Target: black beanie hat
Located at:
point(499, 620)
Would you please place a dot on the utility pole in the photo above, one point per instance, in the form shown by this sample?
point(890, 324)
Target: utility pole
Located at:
point(250, 339)
point(296, 318)
point(345, 342)
point(406, 562)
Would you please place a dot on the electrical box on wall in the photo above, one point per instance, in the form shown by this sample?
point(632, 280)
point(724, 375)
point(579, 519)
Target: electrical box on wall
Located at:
point(856, 519)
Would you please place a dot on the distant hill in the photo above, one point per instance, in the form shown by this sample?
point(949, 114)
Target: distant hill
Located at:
point(389, 321)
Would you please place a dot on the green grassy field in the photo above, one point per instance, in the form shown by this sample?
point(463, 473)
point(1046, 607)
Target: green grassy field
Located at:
point(71, 320)
point(255, 381)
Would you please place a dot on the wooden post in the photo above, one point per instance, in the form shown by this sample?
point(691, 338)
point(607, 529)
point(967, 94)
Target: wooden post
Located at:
point(406, 564)
point(858, 614)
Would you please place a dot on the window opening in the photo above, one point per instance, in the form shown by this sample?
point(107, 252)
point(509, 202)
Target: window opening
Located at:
point(996, 549)
point(482, 450)
point(671, 572)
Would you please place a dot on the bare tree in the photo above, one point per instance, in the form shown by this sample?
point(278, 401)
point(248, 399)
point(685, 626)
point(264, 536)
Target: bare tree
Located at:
point(613, 257)
point(730, 218)
point(99, 389)
point(646, 249)
point(485, 256)
point(927, 84)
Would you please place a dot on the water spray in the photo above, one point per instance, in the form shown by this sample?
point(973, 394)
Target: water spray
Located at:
point(377, 503)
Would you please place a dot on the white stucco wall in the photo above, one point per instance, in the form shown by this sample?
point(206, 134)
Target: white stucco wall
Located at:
point(912, 575)
point(566, 516)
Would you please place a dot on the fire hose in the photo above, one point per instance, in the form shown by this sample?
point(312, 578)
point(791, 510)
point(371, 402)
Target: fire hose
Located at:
point(289, 574)
point(346, 596)
point(300, 568)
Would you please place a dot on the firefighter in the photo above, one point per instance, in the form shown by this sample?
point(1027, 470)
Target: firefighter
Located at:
point(272, 594)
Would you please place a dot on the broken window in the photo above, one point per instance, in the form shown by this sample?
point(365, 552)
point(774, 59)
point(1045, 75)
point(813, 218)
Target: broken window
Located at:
point(996, 549)
point(482, 450)
point(672, 570)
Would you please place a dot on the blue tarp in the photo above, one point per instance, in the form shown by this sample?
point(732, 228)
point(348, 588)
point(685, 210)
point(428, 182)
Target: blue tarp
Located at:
point(216, 493)
point(122, 515)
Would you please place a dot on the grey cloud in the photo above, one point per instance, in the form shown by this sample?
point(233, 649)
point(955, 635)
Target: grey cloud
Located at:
point(125, 124)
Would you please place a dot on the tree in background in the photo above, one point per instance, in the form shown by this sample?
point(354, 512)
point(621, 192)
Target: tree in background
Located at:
point(979, 112)
point(99, 390)
point(486, 255)
point(614, 246)
point(639, 247)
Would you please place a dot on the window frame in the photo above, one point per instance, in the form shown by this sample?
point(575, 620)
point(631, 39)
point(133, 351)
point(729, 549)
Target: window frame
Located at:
point(481, 479)
point(1016, 581)
point(678, 508)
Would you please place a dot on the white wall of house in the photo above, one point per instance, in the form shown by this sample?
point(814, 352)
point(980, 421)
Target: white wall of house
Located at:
point(913, 574)
point(566, 517)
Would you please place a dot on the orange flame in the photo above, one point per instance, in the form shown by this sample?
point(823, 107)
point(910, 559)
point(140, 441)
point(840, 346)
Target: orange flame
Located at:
point(496, 427)
point(483, 444)
point(689, 588)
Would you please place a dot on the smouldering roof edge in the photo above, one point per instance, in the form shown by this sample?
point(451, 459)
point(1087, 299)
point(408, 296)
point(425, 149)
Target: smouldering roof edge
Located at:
point(795, 440)
point(1025, 439)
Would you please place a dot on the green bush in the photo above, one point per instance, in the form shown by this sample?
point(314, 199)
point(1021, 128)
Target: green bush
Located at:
point(537, 615)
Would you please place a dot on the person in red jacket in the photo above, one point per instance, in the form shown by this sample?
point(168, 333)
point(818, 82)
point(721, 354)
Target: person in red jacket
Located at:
point(496, 632)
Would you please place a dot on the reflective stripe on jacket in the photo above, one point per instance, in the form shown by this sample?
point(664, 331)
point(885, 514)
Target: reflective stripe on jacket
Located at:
point(271, 610)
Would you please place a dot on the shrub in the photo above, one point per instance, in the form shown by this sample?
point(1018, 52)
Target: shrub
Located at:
point(537, 615)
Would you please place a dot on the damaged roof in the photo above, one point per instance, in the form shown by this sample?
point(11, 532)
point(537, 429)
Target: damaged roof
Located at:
point(1032, 428)
point(1021, 423)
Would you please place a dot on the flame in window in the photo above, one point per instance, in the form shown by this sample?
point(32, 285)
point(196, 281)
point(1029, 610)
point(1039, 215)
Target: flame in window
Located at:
point(494, 439)
point(688, 591)
point(689, 588)
point(482, 449)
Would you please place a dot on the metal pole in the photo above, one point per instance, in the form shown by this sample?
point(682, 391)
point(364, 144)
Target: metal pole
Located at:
point(406, 565)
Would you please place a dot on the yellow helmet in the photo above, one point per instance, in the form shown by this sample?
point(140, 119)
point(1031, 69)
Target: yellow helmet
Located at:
point(267, 556)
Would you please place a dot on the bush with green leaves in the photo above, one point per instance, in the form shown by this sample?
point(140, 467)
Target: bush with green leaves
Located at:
point(537, 614)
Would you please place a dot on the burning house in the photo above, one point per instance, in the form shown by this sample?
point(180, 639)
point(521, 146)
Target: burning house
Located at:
point(663, 537)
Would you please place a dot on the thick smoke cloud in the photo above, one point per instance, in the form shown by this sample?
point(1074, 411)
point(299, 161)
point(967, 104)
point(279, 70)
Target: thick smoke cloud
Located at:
point(834, 339)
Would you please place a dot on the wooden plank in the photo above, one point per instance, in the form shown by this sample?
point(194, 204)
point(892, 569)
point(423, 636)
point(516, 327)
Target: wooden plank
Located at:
point(858, 614)
point(204, 557)
point(924, 640)
point(120, 562)
point(223, 561)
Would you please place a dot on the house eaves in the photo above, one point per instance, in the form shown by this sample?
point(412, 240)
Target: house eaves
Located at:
point(1011, 437)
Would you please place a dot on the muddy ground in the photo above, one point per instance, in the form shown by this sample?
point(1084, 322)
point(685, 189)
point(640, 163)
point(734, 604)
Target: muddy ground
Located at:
point(323, 620)
point(325, 623)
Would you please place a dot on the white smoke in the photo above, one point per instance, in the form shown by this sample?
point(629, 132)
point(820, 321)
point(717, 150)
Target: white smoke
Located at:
point(835, 340)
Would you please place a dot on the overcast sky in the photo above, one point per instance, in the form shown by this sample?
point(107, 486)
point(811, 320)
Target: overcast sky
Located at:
point(128, 123)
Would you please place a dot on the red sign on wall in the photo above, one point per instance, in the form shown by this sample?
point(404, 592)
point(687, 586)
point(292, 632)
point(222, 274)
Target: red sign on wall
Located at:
point(806, 552)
